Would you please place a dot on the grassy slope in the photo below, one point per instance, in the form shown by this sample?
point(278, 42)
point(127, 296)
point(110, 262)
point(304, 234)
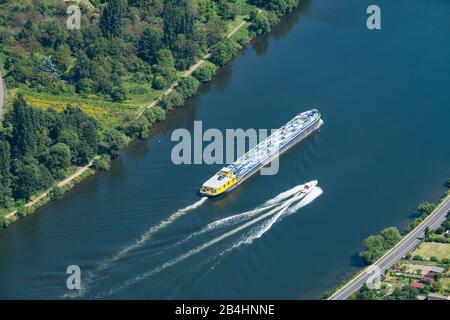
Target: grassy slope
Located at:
point(108, 113)
point(429, 249)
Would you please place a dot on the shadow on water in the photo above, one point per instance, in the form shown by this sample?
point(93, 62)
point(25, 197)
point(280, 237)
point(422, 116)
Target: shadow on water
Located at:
point(356, 261)
point(185, 116)
point(222, 78)
point(289, 21)
point(261, 44)
point(413, 215)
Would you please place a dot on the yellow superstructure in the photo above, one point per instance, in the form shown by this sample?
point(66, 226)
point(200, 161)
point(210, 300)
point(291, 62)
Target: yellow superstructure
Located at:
point(219, 183)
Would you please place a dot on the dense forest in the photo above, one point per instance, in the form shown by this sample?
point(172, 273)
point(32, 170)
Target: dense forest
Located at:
point(137, 40)
point(40, 147)
point(141, 41)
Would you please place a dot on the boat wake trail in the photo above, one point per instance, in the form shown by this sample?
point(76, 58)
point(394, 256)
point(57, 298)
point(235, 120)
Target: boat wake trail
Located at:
point(278, 207)
point(241, 217)
point(146, 236)
point(257, 233)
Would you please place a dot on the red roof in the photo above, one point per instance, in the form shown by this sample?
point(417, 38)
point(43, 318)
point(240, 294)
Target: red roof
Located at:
point(416, 285)
point(427, 279)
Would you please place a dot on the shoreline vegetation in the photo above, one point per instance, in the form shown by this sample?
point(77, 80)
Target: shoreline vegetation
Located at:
point(376, 246)
point(62, 126)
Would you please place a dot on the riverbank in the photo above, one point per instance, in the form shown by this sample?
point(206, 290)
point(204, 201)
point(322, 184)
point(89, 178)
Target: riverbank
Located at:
point(80, 174)
point(409, 241)
point(65, 185)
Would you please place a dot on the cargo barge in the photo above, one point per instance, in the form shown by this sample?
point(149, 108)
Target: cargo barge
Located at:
point(273, 146)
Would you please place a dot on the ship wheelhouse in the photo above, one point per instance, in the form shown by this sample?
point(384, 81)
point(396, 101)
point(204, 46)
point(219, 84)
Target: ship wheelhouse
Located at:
point(219, 183)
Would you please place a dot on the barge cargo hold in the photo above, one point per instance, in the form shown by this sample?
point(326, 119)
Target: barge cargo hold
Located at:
point(273, 146)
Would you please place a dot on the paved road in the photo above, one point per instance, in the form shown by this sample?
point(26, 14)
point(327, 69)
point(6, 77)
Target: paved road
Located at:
point(410, 241)
point(2, 96)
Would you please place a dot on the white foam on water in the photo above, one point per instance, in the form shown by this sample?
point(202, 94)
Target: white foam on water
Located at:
point(278, 211)
point(147, 235)
point(213, 225)
point(310, 197)
point(303, 202)
point(232, 220)
point(284, 195)
point(261, 230)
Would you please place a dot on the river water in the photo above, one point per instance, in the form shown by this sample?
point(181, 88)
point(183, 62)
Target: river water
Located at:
point(140, 230)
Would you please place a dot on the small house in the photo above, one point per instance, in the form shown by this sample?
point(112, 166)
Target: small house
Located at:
point(426, 279)
point(416, 285)
point(434, 296)
point(436, 269)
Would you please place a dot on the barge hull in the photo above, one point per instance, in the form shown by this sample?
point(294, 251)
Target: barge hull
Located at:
point(285, 148)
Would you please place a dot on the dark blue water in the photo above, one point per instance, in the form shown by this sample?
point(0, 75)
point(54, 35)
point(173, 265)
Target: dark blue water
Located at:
point(384, 148)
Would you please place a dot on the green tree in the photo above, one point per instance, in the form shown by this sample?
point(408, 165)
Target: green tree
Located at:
point(178, 19)
point(185, 52)
point(5, 173)
point(367, 294)
point(205, 72)
point(112, 142)
point(405, 293)
point(57, 159)
point(70, 138)
point(374, 248)
point(89, 143)
point(223, 51)
point(188, 86)
point(30, 177)
point(391, 237)
point(436, 287)
point(260, 23)
point(52, 33)
point(155, 114)
point(24, 135)
point(165, 69)
point(57, 193)
point(428, 233)
point(137, 128)
point(172, 100)
point(215, 30)
point(118, 93)
point(4, 222)
point(101, 164)
point(111, 19)
point(87, 130)
point(426, 208)
point(148, 45)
